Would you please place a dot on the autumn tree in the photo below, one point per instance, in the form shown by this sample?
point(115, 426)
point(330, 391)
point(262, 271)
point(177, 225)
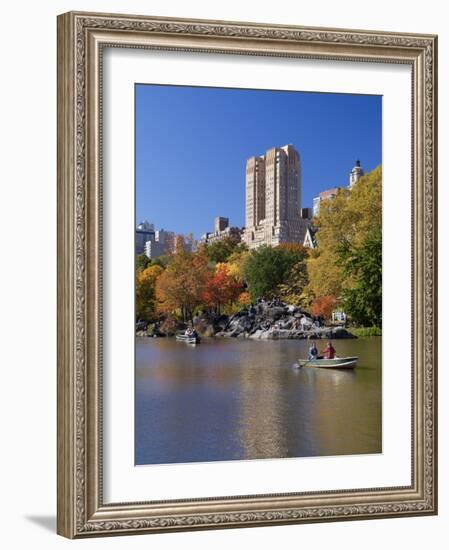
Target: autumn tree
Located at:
point(146, 292)
point(236, 262)
point(181, 285)
point(244, 299)
point(345, 224)
point(324, 306)
point(325, 275)
point(221, 288)
point(324, 268)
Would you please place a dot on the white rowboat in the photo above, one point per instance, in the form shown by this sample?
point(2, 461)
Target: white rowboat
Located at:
point(188, 339)
point(336, 363)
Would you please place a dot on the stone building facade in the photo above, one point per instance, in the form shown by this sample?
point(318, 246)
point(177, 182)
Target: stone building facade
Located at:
point(323, 196)
point(354, 175)
point(156, 243)
point(222, 230)
point(273, 198)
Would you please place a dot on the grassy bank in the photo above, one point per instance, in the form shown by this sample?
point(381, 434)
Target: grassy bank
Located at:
point(365, 331)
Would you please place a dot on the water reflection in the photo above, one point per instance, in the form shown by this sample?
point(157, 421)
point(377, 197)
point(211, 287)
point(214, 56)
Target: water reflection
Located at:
point(228, 399)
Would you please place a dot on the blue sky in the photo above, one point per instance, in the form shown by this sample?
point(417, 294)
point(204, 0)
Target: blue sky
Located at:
point(192, 144)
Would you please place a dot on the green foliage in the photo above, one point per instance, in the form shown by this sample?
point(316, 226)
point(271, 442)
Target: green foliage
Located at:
point(162, 261)
point(363, 300)
point(266, 268)
point(220, 251)
point(292, 290)
point(142, 262)
point(361, 332)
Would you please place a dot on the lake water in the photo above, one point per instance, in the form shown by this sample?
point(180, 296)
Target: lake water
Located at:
point(229, 399)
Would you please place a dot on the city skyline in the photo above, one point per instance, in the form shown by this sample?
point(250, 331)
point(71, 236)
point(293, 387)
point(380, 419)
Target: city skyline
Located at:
point(185, 178)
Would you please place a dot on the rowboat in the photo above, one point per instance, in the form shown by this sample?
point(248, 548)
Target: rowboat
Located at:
point(335, 363)
point(188, 339)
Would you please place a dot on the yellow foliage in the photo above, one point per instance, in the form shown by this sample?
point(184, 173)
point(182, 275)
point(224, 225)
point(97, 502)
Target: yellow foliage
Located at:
point(346, 219)
point(236, 264)
point(145, 291)
point(151, 273)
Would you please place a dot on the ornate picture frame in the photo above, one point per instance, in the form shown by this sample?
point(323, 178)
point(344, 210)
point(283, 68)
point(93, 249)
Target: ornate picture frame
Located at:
point(82, 38)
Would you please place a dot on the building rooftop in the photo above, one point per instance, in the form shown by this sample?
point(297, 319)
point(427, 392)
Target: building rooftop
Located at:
point(329, 193)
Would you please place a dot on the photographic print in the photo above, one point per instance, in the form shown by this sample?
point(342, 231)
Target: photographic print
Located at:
point(258, 274)
point(236, 203)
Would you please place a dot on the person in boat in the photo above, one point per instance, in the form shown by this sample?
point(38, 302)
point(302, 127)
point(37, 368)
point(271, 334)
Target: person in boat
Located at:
point(329, 352)
point(191, 332)
point(313, 352)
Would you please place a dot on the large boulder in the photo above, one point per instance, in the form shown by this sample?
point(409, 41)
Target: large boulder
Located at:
point(275, 312)
point(221, 323)
point(341, 332)
point(245, 324)
point(257, 334)
point(306, 323)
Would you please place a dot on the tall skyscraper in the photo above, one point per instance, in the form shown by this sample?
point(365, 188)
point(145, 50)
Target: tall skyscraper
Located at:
point(273, 198)
point(255, 191)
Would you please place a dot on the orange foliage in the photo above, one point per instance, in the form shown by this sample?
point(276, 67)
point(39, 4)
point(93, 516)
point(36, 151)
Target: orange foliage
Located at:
point(324, 306)
point(244, 299)
point(221, 288)
point(182, 284)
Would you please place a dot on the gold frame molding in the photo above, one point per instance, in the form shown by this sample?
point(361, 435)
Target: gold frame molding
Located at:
point(81, 39)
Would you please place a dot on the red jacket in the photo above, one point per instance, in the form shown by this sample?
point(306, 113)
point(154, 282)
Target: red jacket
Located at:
point(329, 352)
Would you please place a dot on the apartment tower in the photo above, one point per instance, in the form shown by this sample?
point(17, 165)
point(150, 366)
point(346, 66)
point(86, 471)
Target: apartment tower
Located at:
point(273, 198)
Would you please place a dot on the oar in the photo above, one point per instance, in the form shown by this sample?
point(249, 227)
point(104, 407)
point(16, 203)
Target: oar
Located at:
point(311, 360)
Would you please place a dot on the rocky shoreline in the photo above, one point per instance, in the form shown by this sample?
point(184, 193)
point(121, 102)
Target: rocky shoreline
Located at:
point(278, 321)
point(273, 320)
